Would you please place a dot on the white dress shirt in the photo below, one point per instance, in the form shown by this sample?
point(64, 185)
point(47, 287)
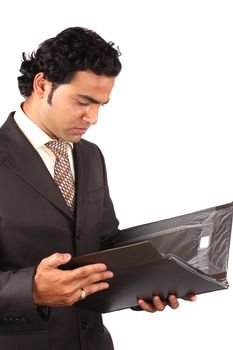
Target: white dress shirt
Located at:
point(38, 138)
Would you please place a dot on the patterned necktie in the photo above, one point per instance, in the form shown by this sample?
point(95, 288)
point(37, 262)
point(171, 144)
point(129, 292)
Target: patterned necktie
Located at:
point(62, 171)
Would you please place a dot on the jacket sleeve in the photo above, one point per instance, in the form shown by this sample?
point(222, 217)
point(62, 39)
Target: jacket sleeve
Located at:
point(110, 222)
point(16, 303)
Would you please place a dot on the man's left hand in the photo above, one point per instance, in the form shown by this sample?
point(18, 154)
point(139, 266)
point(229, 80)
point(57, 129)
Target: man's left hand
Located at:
point(158, 305)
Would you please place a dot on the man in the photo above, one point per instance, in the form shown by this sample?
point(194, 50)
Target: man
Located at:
point(54, 198)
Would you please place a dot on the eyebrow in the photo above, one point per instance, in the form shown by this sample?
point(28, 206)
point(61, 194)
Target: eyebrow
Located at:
point(93, 100)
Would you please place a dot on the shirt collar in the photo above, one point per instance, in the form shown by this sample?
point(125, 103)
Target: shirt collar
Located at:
point(34, 134)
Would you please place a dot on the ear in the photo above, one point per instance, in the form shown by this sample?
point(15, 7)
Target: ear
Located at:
point(40, 85)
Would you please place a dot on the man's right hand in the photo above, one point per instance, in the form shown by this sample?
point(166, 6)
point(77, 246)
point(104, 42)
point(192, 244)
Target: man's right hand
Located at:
point(55, 287)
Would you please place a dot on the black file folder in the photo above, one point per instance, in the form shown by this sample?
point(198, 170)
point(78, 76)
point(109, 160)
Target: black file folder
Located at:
point(181, 255)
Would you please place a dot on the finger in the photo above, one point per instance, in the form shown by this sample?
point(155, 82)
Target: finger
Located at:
point(173, 302)
point(56, 259)
point(92, 283)
point(94, 288)
point(88, 290)
point(85, 271)
point(190, 297)
point(97, 277)
point(158, 303)
point(146, 306)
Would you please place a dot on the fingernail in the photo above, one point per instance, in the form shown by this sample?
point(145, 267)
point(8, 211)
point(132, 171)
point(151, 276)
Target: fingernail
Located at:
point(66, 257)
point(103, 267)
point(110, 275)
point(106, 286)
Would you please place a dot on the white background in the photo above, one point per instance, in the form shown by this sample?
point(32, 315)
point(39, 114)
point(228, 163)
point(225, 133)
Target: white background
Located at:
point(166, 135)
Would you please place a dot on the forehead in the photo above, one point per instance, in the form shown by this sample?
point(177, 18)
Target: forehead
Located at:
point(88, 83)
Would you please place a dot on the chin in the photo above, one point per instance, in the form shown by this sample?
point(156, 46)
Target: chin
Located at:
point(73, 139)
point(69, 137)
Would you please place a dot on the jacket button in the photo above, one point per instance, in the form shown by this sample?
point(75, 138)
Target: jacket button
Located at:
point(84, 325)
point(79, 235)
point(24, 319)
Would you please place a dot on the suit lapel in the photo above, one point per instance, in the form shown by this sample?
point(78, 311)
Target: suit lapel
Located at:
point(25, 161)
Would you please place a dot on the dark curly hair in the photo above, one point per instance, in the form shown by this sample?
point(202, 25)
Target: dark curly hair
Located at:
point(59, 58)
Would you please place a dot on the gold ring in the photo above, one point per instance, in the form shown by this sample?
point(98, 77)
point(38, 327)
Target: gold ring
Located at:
point(83, 294)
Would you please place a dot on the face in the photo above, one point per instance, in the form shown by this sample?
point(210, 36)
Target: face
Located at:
point(74, 106)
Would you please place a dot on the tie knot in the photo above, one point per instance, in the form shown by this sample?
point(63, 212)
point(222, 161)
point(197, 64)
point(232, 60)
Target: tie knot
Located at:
point(59, 148)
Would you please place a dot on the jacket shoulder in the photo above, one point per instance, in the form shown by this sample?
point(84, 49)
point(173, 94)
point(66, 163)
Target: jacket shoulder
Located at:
point(89, 148)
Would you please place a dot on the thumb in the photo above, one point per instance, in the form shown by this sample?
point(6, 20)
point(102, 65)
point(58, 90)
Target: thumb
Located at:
point(56, 259)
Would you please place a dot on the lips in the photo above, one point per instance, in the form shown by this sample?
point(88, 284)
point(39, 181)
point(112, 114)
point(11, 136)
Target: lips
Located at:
point(80, 131)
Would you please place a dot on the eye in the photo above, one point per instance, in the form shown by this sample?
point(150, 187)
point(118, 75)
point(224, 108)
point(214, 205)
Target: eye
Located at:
point(83, 104)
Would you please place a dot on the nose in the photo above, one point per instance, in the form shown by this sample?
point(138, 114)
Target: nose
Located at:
point(91, 115)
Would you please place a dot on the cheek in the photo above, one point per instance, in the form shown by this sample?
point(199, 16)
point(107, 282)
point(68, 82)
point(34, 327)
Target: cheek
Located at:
point(71, 111)
point(63, 113)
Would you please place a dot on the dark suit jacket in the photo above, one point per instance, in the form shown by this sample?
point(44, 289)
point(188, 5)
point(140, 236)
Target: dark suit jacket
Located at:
point(36, 222)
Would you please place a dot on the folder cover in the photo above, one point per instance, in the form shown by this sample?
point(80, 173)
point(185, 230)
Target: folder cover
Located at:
point(181, 255)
